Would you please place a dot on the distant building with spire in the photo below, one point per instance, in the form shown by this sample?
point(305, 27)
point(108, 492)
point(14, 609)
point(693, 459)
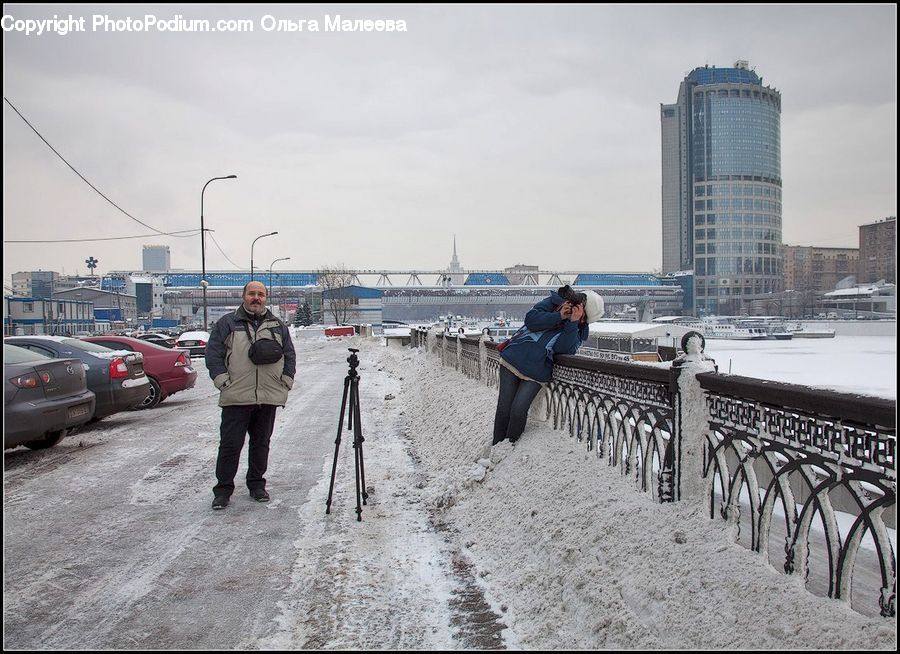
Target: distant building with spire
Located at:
point(456, 273)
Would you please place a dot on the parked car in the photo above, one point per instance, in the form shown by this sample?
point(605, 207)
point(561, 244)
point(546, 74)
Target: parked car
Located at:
point(158, 339)
point(169, 370)
point(117, 378)
point(43, 398)
point(194, 342)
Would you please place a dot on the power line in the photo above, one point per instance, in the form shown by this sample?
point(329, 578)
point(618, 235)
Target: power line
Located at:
point(100, 193)
point(223, 252)
point(193, 232)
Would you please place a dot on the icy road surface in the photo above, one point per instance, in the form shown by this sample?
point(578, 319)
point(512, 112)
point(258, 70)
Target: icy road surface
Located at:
point(110, 542)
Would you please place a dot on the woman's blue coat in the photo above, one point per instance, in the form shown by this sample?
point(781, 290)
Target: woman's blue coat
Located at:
point(531, 349)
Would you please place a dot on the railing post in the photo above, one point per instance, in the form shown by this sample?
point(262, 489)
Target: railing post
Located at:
point(482, 360)
point(691, 419)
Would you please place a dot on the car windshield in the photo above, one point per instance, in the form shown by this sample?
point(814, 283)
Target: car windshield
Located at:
point(16, 354)
point(84, 345)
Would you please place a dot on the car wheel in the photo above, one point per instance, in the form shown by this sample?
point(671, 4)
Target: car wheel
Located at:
point(49, 440)
point(154, 398)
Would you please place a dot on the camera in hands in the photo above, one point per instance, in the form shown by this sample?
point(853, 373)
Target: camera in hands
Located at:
point(571, 296)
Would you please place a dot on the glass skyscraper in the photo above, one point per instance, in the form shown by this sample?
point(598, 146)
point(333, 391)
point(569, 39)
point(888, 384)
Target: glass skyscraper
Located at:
point(721, 187)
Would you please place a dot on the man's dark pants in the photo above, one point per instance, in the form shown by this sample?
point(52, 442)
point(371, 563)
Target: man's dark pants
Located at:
point(513, 402)
point(237, 421)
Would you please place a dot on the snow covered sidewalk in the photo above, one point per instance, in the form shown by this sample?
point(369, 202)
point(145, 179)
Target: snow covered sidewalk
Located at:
point(574, 557)
point(391, 581)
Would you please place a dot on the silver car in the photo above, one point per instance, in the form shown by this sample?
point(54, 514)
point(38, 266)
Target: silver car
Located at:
point(43, 398)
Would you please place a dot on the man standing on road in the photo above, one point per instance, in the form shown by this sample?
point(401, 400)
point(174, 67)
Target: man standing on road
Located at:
point(251, 360)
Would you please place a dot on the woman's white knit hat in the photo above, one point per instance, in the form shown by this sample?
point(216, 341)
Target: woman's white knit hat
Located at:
point(593, 306)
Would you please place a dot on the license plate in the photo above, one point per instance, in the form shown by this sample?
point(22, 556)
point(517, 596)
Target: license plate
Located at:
point(78, 411)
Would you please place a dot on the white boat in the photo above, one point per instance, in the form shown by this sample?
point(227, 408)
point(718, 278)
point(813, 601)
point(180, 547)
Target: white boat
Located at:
point(773, 325)
point(499, 333)
point(802, 331)
point(634, 341)
point(681, 321)
point(469, 331)
point(728, 328)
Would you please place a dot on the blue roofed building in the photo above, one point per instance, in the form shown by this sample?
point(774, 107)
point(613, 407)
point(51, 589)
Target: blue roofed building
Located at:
point(487, 279)
point(373, 296)
point(233, 279)
point(616, 279)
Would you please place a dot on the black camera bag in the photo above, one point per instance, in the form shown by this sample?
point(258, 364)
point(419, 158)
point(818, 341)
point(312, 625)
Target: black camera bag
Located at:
point(264, 350)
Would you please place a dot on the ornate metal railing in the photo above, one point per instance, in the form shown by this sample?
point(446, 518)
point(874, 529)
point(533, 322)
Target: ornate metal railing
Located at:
point(795, 454)
point(491, 364)
point(625, 412)
point(772, 454)
point(470, 358)
point(418, 338)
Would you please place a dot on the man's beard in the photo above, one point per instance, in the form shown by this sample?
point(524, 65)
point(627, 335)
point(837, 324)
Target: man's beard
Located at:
point(255, 308)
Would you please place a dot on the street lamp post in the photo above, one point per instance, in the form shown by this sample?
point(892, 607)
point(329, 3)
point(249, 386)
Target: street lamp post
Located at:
point(203, 282)
point(251, 250)
point(270, 270)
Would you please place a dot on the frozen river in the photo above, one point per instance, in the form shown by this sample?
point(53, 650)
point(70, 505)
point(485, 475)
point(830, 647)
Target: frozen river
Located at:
point(850, 364)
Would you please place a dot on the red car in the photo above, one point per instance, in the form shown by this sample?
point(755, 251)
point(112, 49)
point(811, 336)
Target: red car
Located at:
point(169, 370)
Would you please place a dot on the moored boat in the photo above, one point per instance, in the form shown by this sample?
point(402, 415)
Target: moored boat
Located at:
point(729, 328)
point(807, 332)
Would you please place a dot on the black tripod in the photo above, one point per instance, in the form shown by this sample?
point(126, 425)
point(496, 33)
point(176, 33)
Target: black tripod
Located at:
point(351, 384)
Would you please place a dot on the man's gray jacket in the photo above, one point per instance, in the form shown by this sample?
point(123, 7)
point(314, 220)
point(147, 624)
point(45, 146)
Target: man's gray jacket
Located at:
point(239, 380)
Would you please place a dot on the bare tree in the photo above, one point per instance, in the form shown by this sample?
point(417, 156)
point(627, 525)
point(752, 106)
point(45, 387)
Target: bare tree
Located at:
point(336, 299)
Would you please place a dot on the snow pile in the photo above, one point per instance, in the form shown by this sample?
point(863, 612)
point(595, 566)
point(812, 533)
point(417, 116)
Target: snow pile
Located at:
point(575, 557)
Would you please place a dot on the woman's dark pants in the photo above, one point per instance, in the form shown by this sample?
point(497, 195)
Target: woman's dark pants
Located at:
point(237, 421)
point(516, 396)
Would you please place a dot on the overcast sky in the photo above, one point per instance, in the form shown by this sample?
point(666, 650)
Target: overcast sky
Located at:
point(532, 133)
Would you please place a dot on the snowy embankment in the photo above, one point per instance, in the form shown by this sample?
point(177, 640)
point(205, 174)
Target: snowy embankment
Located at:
point(573, 556)
point(110, 541)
